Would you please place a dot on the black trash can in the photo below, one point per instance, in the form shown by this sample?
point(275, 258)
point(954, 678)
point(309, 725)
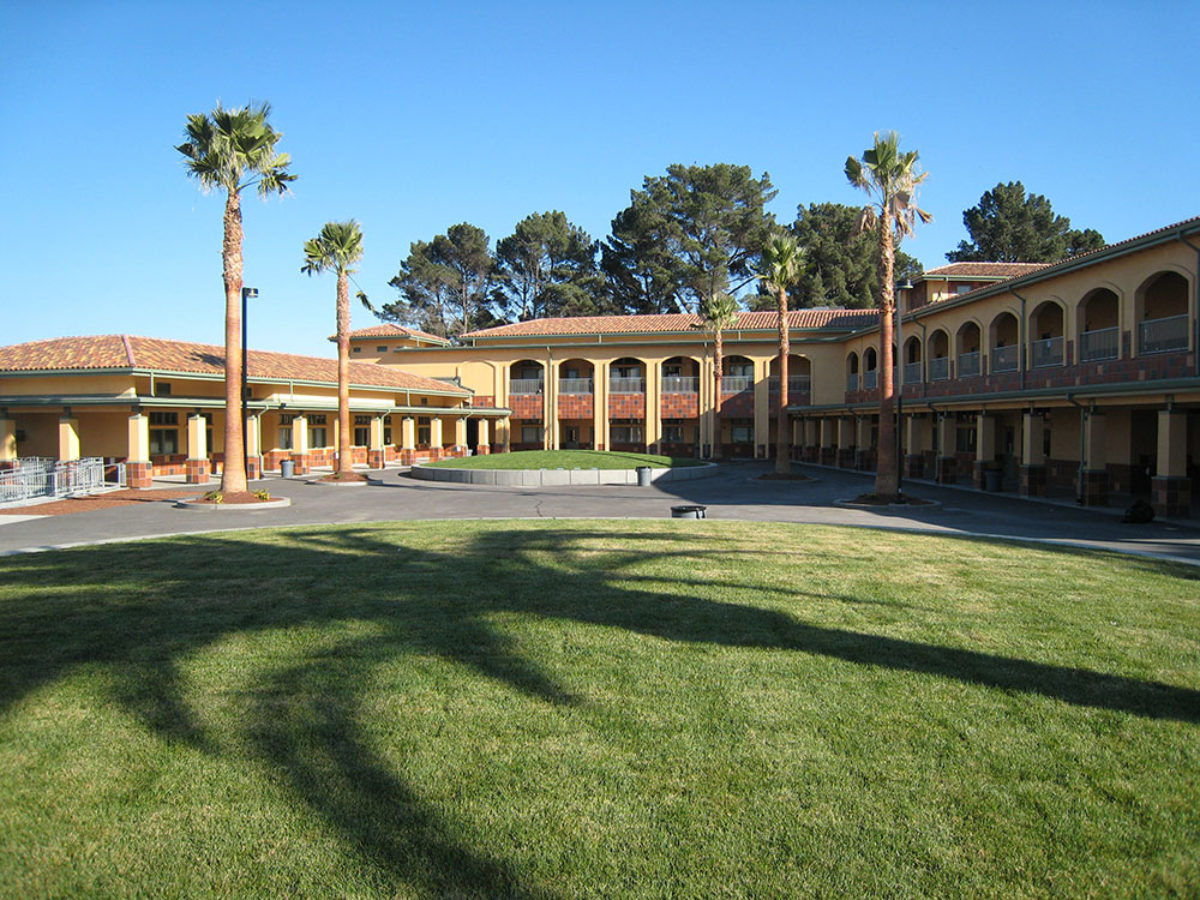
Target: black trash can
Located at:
point(993, 479)
point(643, 476)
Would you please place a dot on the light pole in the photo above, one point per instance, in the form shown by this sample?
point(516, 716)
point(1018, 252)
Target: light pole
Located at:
point(247, 293)
point(906, 287)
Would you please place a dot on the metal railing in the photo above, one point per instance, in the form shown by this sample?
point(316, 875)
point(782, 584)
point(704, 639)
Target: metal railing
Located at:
point(1163, 335)
point(735, 384)
point(870, 380)
point(939, 368)
point(1101, 343)
point(912, 373)
point(1047, 352)
point(680, 384)
point(968, 364)
point(525, 386)
point(626, 385)
point(852, 381)
point(1006, 359)
point(37, 477)
point(796, 383)
point(575, 385)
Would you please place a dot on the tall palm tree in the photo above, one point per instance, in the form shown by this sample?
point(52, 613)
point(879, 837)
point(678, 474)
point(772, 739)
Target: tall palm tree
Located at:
point(231, 150)
point(338, 247)
point(890, 178)
point(780, 266)
point(720, 311)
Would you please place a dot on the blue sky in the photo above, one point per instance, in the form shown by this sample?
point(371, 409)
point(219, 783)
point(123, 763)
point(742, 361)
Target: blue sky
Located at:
point(412, 117)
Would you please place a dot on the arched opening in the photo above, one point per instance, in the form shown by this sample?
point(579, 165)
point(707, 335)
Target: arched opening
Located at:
point(1099, 325)
point(627, 376)
point(1046, 327)
point(799, 373)
point(968, 350)
point(680, 375)
point(939, 355)
point(575, 377)
point(573, 405)
point(1161, 306)
point(852, 372)
point(738, 375)
point(679, 407)
point(911, 355)
point(1005, 335)
point(870, 369)
point(526, 378)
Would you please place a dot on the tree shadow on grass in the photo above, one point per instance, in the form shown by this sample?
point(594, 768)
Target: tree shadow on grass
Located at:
point(141, 609)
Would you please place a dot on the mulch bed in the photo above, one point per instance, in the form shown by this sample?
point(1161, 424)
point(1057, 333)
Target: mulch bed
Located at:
point(96, 501)
point(336, 477)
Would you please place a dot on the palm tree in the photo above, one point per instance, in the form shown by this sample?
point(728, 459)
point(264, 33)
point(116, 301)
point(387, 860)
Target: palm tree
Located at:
point(231, 150)
point(720, 311)
point(890, 178)
point(780, 266)
point(338, 247)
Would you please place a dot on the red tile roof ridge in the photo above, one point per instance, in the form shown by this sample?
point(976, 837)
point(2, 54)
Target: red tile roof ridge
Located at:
point(392, 329)
point(813, 317)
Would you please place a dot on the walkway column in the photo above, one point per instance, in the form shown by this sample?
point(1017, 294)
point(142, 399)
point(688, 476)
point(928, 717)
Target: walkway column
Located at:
point(435, 437)
point(918, 437)
point(845, 442)
point(985, 448)
point(829, 437)
point(139, 470)
point(460, 435)
point(196, 465)
point(1033, 455)
point(1094, 489)
point(864, 447)
point(68, 436)
point(408, 441)
point(483, 445)
point(812, 440)
point(550, 407)
point(8, 440)
point(653, 414)
point(1172, 490)
point(762, 409)
point(299, 454)
point(946, 471)
point(376, 454)
point(253, 447)
point(600, 406)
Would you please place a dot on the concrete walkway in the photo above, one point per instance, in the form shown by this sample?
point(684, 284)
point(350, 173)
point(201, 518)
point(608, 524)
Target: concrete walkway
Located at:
point(734, 494)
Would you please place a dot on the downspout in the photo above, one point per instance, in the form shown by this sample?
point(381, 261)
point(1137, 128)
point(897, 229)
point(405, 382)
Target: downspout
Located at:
point(1196, 305)
point(1084, 413)
point(1021, 335)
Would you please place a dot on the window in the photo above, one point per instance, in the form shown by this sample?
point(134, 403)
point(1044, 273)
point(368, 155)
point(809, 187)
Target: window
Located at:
point(164, 418)
point(163, 441)
point(316, 420)
point(362, 436)
point(285, 438)
point(356, 349)
point(531, 434)
point(964, 439)
point(673, 434)
point(424, 433)
point(963, 288)
point(162, 389)
point(381, 349)
point(318, 437)
point(627, 434)
point(742, 434)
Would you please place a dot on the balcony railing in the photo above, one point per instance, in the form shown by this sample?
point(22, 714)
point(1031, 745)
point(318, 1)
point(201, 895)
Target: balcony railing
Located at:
point(939, 368)
point(627, 385)
point(796, 384)
point(1163, 335)
point(1102, 343)
point(575, 385)
point(680, 384)
point(735, 384)
point(852, 381)
point(912, 373)
point(1047, 352)
point(968, 364)
point(525, 386)
point(1006, 359)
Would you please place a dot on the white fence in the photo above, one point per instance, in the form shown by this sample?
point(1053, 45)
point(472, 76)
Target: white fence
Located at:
point(34, 478)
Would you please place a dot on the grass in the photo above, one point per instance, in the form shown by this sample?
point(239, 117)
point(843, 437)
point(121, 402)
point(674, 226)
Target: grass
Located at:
point(562, 709)
point(566, 459)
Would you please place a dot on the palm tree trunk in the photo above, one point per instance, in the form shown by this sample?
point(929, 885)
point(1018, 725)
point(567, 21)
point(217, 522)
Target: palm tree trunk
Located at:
point(719, 364)
point(345, 442)
point(783, 462)
point(887, 472)
point(233, 477)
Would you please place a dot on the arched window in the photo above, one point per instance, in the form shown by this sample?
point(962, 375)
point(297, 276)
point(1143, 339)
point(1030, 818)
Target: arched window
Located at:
point(575, 377)
point(1046, 327)
point(739, 375)
point(1162, 313)
point(1099, 326)
point(968, 350)
point(852, 372)
point(627, 376)
point(939, 355)
point(912, 360)
point(525, 377)
point(1005, 334)
point(870, 369)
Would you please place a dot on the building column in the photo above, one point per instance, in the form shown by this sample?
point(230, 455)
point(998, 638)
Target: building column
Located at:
point(652, 420)
point(845, 442)
point(484, 445)
point(946, 471)
point(762, 409)
point(812, 440)
point(600, 406)
point(196, 467)
point(408, 441)
point(1171, 488)
point(376, 454)
point(1093, 490)
point(1033, 455)
point(704, 405)
point(550, 407)
point(68, 436)
point(827, 455)
point(139, 470)
point(985, 448)
point(254, 461)
point(864, 449)
point(435, 437)
point(299, 454)
point(8, 441)
point(917, 439)
point(460, 435)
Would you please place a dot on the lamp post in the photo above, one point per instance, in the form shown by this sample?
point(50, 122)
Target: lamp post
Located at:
point(906, 287)
point(247, 293)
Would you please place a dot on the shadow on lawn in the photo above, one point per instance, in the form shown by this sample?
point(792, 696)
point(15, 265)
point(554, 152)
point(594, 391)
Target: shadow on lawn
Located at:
point(164, 601)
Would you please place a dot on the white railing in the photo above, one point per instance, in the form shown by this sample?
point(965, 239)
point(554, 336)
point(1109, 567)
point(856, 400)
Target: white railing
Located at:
point(735, 384)
point(680, 384)
point(912, 373)
point(1102, 343)
point(939, 368)
point(1163, 335)
point(1047, 352)
point(1006, 359)
point(968, 364)
point(36, 477)
point(575, 385)
point(525, 386)
point(870, 380)
point(626, 385)
point(796, 383)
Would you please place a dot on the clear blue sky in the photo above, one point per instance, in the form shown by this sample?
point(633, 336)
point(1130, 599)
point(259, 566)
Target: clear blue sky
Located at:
point(412, 117)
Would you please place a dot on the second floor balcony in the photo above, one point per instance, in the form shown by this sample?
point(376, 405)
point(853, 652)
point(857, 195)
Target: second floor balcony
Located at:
point(735, 384)
point(912, 373)
point(939, 368)
point(1102, 343)
point(575, 385)
point(626, 385)
point(1047, 352)
point(1163, 335)
point(524, 387)
point(680, 384)
point(968, 364)
point(1006, 359)
point(797, 384)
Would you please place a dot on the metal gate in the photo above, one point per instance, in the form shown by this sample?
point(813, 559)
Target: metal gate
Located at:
point(34, 478)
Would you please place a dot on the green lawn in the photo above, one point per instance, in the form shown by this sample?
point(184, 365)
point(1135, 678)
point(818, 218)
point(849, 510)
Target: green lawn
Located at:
point(565, 459)
point(564, 709)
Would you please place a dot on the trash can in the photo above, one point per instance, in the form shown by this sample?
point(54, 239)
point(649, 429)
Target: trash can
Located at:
point(287, 468)
point(688, 512)
point(643, 476)
point(992, 479)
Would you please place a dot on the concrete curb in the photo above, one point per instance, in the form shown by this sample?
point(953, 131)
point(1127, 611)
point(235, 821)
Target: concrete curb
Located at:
point(276, 503)
point(559, 477)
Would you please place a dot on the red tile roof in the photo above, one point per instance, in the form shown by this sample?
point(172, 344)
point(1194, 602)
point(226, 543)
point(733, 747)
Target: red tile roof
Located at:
point(985, 269)
point(844, 319)
point(391, 330)
point(119, 351)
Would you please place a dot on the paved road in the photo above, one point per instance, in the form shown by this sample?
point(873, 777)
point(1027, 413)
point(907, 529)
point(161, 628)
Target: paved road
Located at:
point(734, 493)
